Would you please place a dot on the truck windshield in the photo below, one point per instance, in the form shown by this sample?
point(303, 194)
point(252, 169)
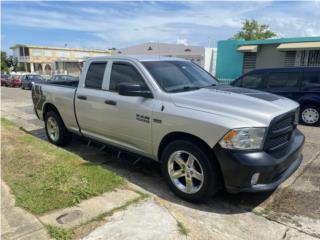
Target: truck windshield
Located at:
point(179, 76)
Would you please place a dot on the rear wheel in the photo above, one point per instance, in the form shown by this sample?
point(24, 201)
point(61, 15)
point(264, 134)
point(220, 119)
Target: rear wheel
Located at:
point(55, 129)
point(189, 171)
point(310, 115)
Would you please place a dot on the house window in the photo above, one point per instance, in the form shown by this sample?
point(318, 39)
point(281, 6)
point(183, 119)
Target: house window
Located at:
point(63, 54)
point(36, 52)
point(47, 53)
point(249, 61)
point(314, 58)
point(290, 59)
point(308, 58)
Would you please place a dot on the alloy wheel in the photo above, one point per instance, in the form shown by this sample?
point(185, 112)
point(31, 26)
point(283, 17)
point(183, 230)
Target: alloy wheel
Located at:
point(53, 129)
point(185, 172)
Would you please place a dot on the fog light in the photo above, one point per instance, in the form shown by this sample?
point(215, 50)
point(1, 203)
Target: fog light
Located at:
point(255, 178)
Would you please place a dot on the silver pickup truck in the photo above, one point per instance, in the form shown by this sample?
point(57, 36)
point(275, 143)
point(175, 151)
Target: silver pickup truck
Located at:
point(205, 135)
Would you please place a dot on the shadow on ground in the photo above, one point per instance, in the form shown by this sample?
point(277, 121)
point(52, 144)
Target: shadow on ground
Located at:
point(147, 174)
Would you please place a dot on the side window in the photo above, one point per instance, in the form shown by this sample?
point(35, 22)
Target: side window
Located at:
point(252, 81)
point(311, 80)
point(124, 73)
point(95, 75)
point(283, 80)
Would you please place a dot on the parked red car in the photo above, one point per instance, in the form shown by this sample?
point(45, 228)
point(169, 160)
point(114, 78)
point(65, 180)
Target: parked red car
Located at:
point(15, 81)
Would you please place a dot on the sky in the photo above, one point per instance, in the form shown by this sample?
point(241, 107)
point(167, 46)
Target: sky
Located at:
point(103, 25)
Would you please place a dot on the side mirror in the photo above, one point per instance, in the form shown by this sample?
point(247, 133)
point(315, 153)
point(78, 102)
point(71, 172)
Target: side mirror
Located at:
point(132, 89)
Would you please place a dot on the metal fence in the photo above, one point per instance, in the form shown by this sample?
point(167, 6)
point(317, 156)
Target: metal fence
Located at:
point(225, 81)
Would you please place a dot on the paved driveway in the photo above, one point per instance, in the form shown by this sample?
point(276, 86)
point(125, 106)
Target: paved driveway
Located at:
point(291, 212)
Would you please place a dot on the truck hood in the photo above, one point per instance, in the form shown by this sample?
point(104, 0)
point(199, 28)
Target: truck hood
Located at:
point(255, 108)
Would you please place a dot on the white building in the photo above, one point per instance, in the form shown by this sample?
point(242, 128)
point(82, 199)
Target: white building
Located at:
point(53, 60)
point(205, 57)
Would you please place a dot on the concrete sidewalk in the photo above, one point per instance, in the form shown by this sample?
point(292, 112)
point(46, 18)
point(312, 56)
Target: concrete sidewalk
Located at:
point(17, 223)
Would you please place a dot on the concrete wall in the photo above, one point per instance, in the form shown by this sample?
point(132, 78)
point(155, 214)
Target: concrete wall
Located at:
point(269, 57)
point(229, 60)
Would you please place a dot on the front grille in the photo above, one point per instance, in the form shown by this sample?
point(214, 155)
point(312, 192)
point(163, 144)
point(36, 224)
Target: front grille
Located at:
point(280, 132)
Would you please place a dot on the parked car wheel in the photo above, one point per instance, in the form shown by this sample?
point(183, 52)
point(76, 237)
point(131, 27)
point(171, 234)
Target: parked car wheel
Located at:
point(310, 115)
point(189, 171)
point(56, 130)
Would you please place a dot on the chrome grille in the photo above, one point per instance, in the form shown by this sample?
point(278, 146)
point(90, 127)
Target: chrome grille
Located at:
point(280, 132)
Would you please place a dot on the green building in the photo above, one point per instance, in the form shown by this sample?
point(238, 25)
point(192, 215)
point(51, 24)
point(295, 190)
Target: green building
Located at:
point(236, 57)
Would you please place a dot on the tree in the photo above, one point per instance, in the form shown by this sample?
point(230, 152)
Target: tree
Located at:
point(252, 30)
point(13, 63)
point(5, 66)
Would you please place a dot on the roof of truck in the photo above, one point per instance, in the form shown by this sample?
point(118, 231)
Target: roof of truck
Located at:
point(141, 58)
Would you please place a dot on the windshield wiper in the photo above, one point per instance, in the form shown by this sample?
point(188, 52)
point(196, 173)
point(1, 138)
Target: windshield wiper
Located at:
point(211, 85)
point(186, 88)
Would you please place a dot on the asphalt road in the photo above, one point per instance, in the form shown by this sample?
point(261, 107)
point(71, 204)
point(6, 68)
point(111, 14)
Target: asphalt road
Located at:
point(290, 212)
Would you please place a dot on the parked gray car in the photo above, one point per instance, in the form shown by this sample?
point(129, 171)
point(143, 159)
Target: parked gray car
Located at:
point(205, 136)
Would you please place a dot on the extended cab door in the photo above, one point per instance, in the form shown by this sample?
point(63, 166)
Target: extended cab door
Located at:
point(89, 99)
point(129, 118)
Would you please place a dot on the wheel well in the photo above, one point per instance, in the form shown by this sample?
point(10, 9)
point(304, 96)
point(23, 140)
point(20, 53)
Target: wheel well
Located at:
point(49, 107)
point(182, 136)
point(186, 136)
point(306, 103)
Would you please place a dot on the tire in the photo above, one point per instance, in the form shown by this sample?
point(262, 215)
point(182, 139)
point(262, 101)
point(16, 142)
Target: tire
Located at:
point(310, 115)
point(203, 164)
point(55, 129)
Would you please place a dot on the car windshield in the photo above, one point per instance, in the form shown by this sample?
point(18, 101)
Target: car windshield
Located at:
point(179, 76)
point(35, 78)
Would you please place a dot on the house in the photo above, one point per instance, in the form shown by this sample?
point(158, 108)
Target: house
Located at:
point(204, 57)
point(236, 57)
point(53, 60)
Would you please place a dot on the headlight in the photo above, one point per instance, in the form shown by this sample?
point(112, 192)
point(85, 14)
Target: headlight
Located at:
point(243, 139)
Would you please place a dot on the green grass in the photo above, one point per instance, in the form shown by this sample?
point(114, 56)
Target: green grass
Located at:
point(182, 229)
point(44, 177)
point(59, 233)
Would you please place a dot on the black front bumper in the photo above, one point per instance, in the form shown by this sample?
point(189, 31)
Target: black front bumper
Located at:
point(274, 168)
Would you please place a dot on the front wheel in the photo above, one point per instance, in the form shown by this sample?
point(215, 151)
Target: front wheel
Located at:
point(310, 115)
point(55, 130)
point(189, 171)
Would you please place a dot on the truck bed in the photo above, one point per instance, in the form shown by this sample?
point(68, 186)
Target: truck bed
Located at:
point(61, 95)
point(64, 83)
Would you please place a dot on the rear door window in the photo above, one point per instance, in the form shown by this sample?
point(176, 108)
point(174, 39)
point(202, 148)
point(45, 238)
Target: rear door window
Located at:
point(283, 80)
point(94, 77)
point(311, 80)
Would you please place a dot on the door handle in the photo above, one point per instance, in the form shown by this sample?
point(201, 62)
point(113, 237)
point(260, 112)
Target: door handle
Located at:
point(82, 97)
point(110, 102)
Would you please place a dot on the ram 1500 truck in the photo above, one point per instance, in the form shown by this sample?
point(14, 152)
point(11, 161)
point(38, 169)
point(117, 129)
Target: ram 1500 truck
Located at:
point(205, 135)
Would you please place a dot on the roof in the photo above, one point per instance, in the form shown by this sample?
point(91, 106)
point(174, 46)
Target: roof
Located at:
point(154, 48)
point(279, 40)
point(300, 45)
point(287, 69)
point(61, 48)
point(140, 58)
